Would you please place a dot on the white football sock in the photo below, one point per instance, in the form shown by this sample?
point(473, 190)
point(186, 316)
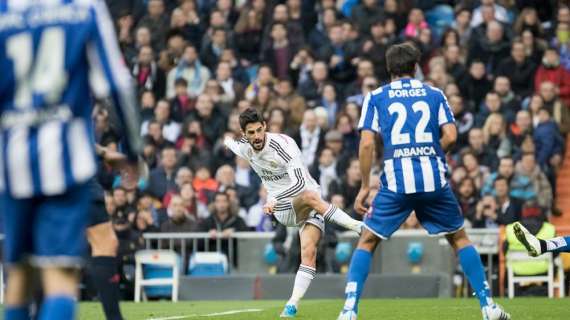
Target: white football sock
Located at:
point(302, 282)
point(341, 218)
point(555, 243)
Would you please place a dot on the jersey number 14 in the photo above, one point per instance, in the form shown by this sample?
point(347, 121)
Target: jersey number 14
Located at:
point(48, 76)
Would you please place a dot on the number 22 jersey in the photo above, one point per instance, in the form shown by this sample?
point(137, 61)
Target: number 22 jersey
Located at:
point(408, 115)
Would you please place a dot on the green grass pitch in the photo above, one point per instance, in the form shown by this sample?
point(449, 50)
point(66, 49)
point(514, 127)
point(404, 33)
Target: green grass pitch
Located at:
point(378, 309)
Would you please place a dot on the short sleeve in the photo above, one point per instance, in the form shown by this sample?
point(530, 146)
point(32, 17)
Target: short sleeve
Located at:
point(369, 115)
point(444, 114)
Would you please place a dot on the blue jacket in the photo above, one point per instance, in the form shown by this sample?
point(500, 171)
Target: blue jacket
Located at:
point(548, 142)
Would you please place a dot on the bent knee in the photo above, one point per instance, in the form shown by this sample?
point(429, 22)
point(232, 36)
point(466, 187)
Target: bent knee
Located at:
point(310, 198)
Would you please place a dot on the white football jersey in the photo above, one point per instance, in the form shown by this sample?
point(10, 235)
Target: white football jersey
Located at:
point(279, 165)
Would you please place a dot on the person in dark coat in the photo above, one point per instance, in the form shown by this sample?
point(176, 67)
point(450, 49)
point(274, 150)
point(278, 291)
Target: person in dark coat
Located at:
point(491, 49)
point(547, 139)
point(519, 69)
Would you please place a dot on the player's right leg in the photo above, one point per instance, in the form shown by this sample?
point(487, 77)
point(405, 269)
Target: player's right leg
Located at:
point(310, 235)
point(388, 212)
point(18, 292)
point(18, 215)
point(59, 248)
point(535, 246)
point(309, 200)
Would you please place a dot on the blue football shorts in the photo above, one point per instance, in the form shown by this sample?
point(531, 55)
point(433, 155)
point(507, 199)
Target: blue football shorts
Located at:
point(438, 212)
point(46, 230)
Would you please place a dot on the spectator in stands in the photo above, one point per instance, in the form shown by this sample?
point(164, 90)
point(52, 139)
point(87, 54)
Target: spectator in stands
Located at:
point(192, 70)
point(416, 23)
point(181, 103)
point(519, 69)
point(467, 197)
point(462, 25)
point(330, 103)
point(232, 88)
point(491, 49)
point(312, 87)
point(453, 64)
point(121, 212)
point(548, 141)
point(493, 104)
point(334, 141)
point(495, 136)
point(161, 179)
point(249, 32)
point(183, 175)
point(528, 20)
point(364, 69)
point(179, 218)
point(211, 120)
point(223, 221)
point(463, 119)
point(256, 219)
point(324, 171)
point(211, 51)
point(475, 171)
point(530, 183)
point(156, 135)
point(484, 155)
point(486, 213)
point(157, 22)
point(508, 210)
point(318, 37)
point(204, 184)
point(349, 184)
point(291, 102)
point(338, 54)
point(509, 100)
point(519, 129)
point(374, 50)
point(506, 170)
point(191, 154)
point(147, 74)
point(551, 71)
point(499, 12)
point(310, 138)
point(476, 84)
point(559, 110)
point(264, 78)
point(170, 128)
point(365, 14)
point(186, 20)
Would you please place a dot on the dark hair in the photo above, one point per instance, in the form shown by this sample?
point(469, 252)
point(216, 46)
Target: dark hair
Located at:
point(180, 82)
point(221, 193)
point(499, 177)
point(251, 115)
point(401, 59)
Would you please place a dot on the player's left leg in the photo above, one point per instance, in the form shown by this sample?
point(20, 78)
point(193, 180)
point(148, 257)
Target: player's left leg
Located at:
point(60, 290)
point(535, 246)
point(103, 269)
point(309, 200)
point(438, 212)
point(310, 235)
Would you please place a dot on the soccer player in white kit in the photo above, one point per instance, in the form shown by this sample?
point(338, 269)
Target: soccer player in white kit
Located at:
point(294, 197)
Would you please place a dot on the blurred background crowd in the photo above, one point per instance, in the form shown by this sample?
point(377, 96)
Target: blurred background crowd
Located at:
point(307, 64)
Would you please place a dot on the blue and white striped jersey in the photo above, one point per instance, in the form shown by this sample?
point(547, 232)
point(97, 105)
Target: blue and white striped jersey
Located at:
point(52, 53)
point(408, 115)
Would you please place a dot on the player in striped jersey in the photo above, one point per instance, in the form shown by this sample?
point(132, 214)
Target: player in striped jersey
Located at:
point(51, 53)
point(294, 197)
point(417, 128)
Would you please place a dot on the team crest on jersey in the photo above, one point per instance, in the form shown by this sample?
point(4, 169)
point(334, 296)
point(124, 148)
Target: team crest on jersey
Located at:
point(273, 164)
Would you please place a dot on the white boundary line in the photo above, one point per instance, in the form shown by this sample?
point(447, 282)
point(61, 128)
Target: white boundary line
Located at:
point(225, 313)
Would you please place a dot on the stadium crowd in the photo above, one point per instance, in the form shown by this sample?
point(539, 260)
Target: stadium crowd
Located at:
point(503, 65)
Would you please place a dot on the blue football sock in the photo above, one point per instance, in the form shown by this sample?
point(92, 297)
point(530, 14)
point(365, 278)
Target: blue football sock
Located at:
point(58, 307)
point(473, 267)
point(357, 274)
point(17, 313)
